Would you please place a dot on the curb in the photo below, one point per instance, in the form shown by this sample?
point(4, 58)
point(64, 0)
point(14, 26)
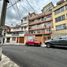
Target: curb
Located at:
point(6, 62)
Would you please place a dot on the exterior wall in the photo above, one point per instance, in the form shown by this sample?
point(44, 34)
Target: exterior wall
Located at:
point(59, 32)
point(24, 24)
point(10, 41)
point(18, 37)
point(39, 38)
point(16, 29)
point(41, 24)
point(48, 7)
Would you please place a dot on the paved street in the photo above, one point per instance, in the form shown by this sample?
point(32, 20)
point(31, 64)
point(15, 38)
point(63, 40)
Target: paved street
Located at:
point(36, 56)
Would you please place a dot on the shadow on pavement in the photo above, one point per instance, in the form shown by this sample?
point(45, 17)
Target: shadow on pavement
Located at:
point(62, 48)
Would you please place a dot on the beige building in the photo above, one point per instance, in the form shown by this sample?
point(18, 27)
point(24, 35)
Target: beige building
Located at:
point(59, 13)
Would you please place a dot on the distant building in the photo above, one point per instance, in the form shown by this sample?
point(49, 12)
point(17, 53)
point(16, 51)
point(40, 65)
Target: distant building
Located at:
point(40, 24)
point(24, 24)
point(24, 27)
point(60, 19)
point(48, 7)
point(15, 36)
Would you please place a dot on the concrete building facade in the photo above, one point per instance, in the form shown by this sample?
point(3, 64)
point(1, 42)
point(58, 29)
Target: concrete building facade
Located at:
point(59, 13)
point(40, 24)
point(15, 36)
point(24, 24)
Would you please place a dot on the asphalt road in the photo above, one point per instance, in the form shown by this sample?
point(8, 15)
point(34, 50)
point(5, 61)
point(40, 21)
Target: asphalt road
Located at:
point(36, 56)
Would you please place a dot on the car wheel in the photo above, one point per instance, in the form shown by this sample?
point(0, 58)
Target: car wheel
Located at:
point(48, 45)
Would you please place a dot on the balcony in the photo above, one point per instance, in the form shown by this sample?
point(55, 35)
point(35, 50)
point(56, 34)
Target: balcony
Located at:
point(24, 24)
point(40, 28)
point(17, 29)
point(40, 33)
point(39, 15)
point(39, 22)
point(15, 34)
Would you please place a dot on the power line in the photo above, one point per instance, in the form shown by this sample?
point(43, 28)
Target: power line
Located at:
point(14, 8)
point(18, 10)
point(23, 7)
point(13, 4)
point(30, 5)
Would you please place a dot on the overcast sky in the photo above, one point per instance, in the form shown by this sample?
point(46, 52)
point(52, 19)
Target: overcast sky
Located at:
point(22, 8)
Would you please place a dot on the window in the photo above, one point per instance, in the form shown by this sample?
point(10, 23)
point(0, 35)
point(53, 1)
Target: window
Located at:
point(59, 10)
point(8, 40)
point(60, 18)
point(44, 18)
point(47, 17)
point(38, 31)
point(61, 27)
point(47, 30)
point(25, 27)
point(49, 24)
point(66, 7)
point(49, 37)
point(14, 38)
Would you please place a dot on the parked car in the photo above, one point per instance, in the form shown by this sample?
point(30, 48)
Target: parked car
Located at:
point(33, 43)
point(57, 42)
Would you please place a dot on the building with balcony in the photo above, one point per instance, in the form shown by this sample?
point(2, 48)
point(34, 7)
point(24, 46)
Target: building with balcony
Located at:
point(24, 24)
point(40, 24)
point(15, 36)
point(59, 13)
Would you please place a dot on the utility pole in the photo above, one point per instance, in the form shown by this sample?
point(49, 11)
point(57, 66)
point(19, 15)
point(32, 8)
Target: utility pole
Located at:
point(2, 23)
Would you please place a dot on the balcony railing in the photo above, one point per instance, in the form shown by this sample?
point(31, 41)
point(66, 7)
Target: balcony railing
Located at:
point(41, 28)
point(42, 33)
point(40, 15)
point(40, 22)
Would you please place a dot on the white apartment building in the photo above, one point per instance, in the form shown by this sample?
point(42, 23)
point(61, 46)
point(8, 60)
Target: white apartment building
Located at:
point(15, 36)
point(24, 24)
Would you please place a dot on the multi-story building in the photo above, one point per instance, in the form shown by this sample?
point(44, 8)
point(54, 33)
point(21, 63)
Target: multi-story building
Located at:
point(40, 24)
point(15, 36)
point(24, 24)
point(60, 19)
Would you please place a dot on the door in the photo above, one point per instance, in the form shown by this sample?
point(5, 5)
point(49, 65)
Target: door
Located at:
point(21, 40)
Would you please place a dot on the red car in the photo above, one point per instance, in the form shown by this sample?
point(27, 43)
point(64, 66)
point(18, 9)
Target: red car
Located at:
point(33, 43)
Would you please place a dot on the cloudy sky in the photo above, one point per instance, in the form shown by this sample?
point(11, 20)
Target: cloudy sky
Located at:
point(22, 8)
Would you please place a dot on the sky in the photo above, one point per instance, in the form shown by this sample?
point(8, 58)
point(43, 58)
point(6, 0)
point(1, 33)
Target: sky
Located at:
point(22, 8)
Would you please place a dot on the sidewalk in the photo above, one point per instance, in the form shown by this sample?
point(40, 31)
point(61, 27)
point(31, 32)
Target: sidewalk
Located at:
point(6, 62)
point(13, 44)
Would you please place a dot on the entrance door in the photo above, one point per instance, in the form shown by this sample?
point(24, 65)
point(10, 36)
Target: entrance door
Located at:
point(21, 40)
